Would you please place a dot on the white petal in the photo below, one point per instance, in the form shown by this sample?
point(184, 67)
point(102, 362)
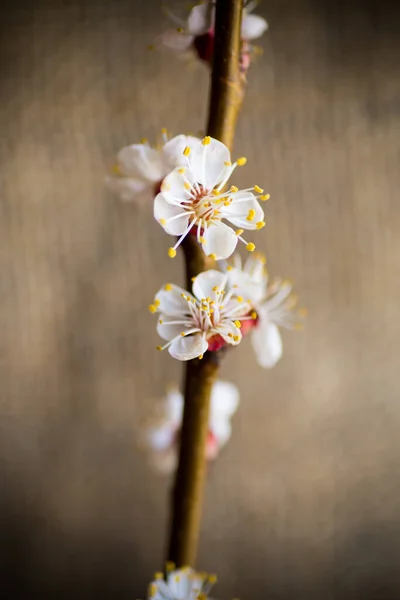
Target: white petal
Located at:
point(160, 438)
point(169, 332)
point(224, 399)
point(208, 163)
point(222, 430)
point(220, 240)
point(204, 283)
point(229, 331)
point(174, 406)
point(200, 18)
point(173, 184)
point(163, 210)
point(171, 301)
point(186, 348)
point(173, 149)
point(267, 343)
point(141, 161)
point(253, 26)
point(127, 188)
point(238, 210)
point(179, 41)
point(246, 286)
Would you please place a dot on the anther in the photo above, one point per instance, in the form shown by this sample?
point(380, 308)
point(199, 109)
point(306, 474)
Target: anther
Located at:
point(186, 151)
point(239, 231)
point(265, 197)
point(152, 308)
point(254, 315)
point(260, 224)
point(167, 287)
point(234, 188)
point(257, 189)
point(162, 221)
point(251, 215)
point(206, 140)
point(172, 252)
point(212, 256)
point(238, 323)
point(241, 161)
point(250, 247)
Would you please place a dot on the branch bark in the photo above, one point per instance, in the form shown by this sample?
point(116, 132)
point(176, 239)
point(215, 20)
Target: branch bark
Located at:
point(187, 499)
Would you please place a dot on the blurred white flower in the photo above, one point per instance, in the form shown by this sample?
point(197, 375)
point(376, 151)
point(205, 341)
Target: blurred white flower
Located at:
point(273, 303)
point(162, 437)
point(189, 322)
point(192, 196)
point(140, 168)
point(197, 31)
point(181, 584)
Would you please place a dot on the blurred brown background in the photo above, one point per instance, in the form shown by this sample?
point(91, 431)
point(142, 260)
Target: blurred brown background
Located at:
point(304, 501)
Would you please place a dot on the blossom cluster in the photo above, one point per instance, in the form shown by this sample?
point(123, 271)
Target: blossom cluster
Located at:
point(161, 436)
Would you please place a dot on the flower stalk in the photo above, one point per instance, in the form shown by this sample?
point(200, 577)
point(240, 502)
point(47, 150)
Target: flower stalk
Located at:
point(227, 90)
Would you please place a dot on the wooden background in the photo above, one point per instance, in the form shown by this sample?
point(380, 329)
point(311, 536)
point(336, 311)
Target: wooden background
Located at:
point(304, 501)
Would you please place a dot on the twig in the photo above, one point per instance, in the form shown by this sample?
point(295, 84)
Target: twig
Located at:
point(200, 375)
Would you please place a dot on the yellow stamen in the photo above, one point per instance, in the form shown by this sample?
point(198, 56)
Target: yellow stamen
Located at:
point(167, 287)
point(170, 566)
point(181, 170)
point(258, 189)
point(228, 163)
point(159, 348)
point(193, 279)
point(163, 221)
point(158, 575)
point(164, 130)
point(229, 268)
point(215, 192)
point(239, 298)
point(251, 215)
point(260, 224)
point(206, 140)
point(201, 356)
point(234, 188)
point(156, 302)
point(250, 247)
point(212, 256)
point(254, 315)
point(238, 323)
point(152, 308)
point(144, 141)
point(241, 161)
point(236, 338)
point(187, 185)
point(215, 288)
point(183, 334)
point(202, 240)
point(212, 578)
point(239, 231)
point(186, 151)
point(161, 321)
point(172, 252)
point(265, 197)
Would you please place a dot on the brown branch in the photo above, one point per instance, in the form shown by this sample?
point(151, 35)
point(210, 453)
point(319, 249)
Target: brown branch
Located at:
point(200, 375)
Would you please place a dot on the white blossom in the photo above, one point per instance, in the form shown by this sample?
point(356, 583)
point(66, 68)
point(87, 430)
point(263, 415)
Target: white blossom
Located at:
point(273, 303)
point(193, 195)
point(190, 321)
point(140, 168)
point(181, 584)
point(200, 21)
point(162, 436)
